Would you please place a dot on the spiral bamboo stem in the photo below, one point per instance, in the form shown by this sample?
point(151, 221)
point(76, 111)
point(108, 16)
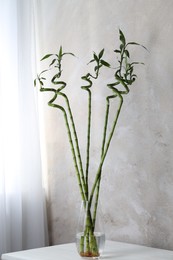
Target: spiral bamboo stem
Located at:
point(52, 104)
point(98, 175)
point(84, 182)
point(87, 88)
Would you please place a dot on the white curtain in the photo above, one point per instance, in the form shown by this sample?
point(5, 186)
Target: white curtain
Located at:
point(22, 213)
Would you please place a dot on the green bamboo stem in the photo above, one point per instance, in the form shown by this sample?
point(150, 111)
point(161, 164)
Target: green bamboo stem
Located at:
point(119, 94)
point(84, 183)
point(96, 201)
point(87, 241)
point(105, 126)
point(106, 122)
point(87, 88)
point(55, 80)
point(90, 243)
point(102, 152)
point(82, 243)
point(89, 227)
point(94, 246)
point(88, 138)
point(50, 103)
point(107, 145)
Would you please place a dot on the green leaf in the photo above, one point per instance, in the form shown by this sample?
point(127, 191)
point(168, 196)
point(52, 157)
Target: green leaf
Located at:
point(135, 43)
point(35, 82)
point(127, 53)
point(60, 52)
point(131, 70)
point(105, 63)
point(101, 54)
point(122, 38)
point(96, 68)
point(121, 46)
point(41, 83)
point(70, 53)
point(90, 61)
point(137, 63)
point(46, 56)
point(117, 51)
point(96, 58)
point(53, 61)
point(134, 76)
point(42, 72)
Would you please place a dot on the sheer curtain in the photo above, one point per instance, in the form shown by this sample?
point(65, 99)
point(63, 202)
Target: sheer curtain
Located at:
point(22, 213)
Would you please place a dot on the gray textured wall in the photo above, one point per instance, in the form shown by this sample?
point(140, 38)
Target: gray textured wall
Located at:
point(137, 185)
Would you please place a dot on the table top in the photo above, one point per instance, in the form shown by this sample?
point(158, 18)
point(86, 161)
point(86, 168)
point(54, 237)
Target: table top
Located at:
point(113, 251)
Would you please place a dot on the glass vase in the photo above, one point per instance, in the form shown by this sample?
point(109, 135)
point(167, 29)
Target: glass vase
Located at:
point(90, 235)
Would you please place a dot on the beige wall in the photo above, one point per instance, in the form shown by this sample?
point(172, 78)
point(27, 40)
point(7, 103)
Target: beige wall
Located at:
point(137, 185)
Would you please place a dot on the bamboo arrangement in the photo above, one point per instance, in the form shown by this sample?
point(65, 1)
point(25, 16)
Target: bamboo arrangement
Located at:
point(124, 77)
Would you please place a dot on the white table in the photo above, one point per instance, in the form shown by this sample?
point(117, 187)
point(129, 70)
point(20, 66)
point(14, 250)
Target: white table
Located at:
point(113, 251)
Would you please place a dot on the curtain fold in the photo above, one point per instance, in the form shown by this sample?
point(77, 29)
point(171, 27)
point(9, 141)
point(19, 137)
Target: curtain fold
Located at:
point(23, 222)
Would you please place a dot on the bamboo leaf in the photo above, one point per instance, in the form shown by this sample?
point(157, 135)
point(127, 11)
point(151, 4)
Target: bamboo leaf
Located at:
point(90, 61)
point(42, 72)
point(101, 54)
point(96, 68)
point(53, 61)
point(121, 47)
point(46, 56)
point(122, 38)
point(117, 51)
point(70, 53)
point(127, 53)
point(35, 82)
point(135, 43)
point(41, 82)
point(105, 63)
point(60, 52)
point(96, 58)
point(137, 63)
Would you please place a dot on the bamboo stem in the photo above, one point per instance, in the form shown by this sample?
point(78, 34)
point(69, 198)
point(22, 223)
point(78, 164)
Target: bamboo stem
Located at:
point(88, 138)
point(102, 153)
point(50, 103)
point(84, 183)
point(107, 146)
point(87, 88)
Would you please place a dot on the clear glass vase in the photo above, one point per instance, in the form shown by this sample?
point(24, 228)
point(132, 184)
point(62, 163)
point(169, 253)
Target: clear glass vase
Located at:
point(90, 235)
